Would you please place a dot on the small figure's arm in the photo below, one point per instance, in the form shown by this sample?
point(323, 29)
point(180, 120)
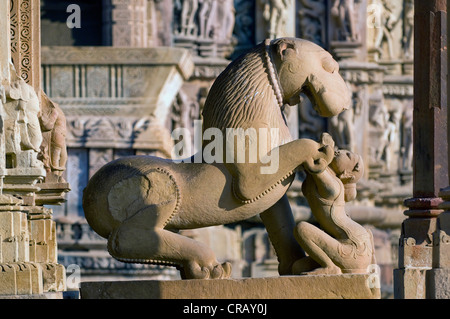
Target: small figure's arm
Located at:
point(327, 184)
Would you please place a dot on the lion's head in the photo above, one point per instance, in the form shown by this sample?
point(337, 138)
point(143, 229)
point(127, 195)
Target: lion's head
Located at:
point(254, 88)
point(304, 67)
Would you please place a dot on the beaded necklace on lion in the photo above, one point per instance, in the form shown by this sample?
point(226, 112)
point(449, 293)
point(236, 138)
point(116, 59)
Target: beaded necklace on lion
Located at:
point(273, 74)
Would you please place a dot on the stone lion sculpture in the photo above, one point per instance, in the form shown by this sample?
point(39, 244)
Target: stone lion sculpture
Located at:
point(139, 203)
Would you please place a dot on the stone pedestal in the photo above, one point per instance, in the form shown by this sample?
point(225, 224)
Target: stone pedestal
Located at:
point(48, 295)
point(28, 250)
point(299, 287)
point(17, 274)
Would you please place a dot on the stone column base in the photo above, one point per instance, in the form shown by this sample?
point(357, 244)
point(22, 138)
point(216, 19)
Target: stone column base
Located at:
point(299, 287)
point(20, 279)
point(410, 283)
point(438, 283)
point(27, 278)
point(54, 277)
point(417, 283)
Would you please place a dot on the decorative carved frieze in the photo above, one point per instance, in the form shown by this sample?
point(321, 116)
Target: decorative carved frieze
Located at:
point(362, 73)
point(25, 40)
point(398, 89)
point(117, 132)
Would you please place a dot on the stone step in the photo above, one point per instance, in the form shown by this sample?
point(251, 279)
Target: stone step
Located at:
point(347, 286)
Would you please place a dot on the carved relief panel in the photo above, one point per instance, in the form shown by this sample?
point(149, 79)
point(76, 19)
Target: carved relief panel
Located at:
point(205, 27)
point(275, 19)
point(387, 32)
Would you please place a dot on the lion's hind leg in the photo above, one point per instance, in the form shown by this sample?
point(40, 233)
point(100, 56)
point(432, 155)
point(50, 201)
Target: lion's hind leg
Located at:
point(144, 205)
point(133, 241)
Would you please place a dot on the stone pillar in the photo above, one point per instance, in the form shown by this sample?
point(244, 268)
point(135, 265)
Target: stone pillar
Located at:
point(439, 276)
point(5, 58)
point(125, 23)
point(430, 165)
point(28, 249)
point(5, 46)
point(25, 40)
point(17, 274)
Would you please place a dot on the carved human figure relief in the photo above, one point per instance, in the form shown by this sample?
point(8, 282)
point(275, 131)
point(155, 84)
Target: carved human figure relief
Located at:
point(185, 111)
point(387, 140)
point(343, 13)
point(407, 137)
point(340, 245)
point(206, 18)
point(383, 32)
point(274, 14)
point(225, 19)
point(187, 23)
point(163, 14)
point(408, 29)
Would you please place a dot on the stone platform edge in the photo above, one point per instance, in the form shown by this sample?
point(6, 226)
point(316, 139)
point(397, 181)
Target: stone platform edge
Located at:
point(292, 287)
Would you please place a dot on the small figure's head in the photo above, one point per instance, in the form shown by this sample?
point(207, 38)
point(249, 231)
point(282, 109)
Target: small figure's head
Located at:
point(349, 168)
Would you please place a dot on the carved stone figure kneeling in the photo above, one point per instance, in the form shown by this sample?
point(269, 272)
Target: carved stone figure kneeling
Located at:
point(342, 245)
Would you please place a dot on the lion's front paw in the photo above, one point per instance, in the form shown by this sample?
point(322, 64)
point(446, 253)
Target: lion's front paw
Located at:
point(323, 156)
point(320, 161)
point(214, 271)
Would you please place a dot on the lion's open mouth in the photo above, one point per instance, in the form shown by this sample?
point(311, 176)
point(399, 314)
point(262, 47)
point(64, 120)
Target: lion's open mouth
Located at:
point(326, 102)
point(306, 89)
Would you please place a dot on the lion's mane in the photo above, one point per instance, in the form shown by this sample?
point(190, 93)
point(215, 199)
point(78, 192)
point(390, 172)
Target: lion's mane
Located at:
point(244, 94)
